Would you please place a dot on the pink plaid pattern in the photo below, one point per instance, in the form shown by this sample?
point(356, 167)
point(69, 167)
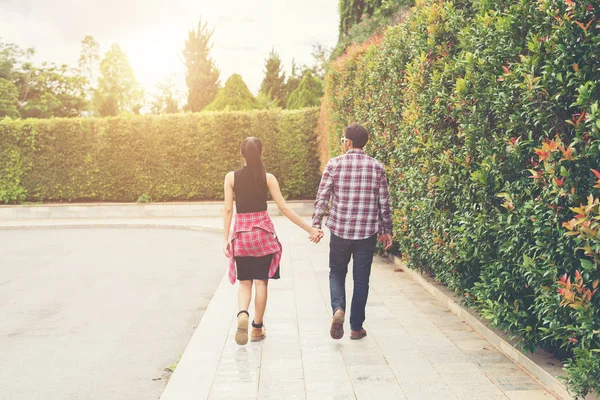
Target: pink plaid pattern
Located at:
point(358, 189)
point(254, 236)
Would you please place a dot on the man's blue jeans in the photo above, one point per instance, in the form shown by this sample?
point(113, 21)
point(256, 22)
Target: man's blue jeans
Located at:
point(361, 251)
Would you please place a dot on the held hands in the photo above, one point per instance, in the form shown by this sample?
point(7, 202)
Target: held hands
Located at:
point(386, 241)
point(316, 235)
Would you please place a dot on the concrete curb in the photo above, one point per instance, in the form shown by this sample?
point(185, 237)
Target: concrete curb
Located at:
point(541, 366)
point(188, 382)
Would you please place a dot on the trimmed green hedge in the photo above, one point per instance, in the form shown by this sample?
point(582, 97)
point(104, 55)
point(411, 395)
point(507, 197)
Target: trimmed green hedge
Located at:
point(486, 115)
point(169, 157)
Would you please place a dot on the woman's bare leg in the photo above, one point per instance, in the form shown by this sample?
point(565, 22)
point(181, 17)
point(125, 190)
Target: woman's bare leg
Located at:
point(260, 300)
point(244, 295)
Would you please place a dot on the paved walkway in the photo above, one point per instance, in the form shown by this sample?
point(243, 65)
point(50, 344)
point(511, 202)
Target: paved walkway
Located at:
point(415, 348)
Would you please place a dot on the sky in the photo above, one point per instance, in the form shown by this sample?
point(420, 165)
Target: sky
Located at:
point(152, 32)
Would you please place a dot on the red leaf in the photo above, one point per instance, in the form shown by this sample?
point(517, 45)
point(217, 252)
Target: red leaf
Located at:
point(559, 182)
point(596, 173)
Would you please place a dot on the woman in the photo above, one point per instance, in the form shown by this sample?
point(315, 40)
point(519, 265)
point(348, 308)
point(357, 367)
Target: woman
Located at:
point(253, 246)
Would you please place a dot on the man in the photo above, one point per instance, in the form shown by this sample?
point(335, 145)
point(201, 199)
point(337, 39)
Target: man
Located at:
point(360, 215)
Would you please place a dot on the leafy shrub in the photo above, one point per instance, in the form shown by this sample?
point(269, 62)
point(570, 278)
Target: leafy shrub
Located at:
point(163, 158)
point(234, 96)
point(486, 116)
point(307, 94)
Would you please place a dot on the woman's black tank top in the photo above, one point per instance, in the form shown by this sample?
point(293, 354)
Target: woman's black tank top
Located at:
point(250, 194)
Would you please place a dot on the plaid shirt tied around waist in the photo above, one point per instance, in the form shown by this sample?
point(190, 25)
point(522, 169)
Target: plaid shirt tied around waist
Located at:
point(254, 236)
point(357, 187)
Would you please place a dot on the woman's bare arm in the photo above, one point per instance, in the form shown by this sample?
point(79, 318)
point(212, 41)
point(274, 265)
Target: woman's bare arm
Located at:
point(227, 210)
point(286, 210)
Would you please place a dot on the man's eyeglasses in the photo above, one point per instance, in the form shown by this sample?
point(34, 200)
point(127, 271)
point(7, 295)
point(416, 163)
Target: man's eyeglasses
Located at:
point(344, 140)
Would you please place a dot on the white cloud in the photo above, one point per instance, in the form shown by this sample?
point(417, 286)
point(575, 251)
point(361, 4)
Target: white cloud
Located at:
point(152, 32)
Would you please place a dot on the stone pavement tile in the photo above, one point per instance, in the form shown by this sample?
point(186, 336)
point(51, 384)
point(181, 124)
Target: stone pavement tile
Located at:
point(310, 359)
point(457, 333)
point(447, 355)
point(319, 348)
point(281, 363)
point(281, 345)
point(479, 393)
point(233, 390)
point(472, 344)
point(326, 372)
point(281, 373)
point(514, 381)
point(461, 380)
point(292, 389)
point(365, 359)
point(226, 373)
point(330, 390)
point(416, 373)
point(457, 368)
point(435, 390)
point(490, 358)
point(372, 375)
point(281, 353)
point(529, 395)
point(381, 392)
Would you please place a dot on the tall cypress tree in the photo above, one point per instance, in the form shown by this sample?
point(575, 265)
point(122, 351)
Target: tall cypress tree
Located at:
point(202, 76)
point(273, 85)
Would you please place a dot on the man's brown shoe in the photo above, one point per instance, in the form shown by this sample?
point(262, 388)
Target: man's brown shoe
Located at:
point(337, 324)
point(258, 334)
point(356, 335)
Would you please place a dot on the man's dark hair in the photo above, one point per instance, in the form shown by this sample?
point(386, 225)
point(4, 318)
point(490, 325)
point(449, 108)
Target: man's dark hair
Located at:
point(358, 134)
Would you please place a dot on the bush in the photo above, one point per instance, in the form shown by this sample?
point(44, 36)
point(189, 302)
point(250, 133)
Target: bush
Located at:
point(163, 158)
point(234, 96)
point(307, 94)
point(486, 116)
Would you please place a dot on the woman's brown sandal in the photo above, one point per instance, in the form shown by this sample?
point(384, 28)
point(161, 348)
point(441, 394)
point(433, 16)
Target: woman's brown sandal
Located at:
point(241, 335)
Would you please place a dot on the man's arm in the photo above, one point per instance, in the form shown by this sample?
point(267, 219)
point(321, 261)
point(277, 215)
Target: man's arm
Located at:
point(323, 196)
point(385, 214)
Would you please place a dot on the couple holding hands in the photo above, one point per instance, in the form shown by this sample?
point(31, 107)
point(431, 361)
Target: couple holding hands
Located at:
point(354, 188)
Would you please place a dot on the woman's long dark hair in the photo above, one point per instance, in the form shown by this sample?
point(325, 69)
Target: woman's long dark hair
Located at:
point(251, 150)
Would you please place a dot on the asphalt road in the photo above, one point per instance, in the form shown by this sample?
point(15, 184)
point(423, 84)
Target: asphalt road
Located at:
point(100, 313)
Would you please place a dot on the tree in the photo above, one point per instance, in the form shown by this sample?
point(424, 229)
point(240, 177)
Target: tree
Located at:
point(265, 102)
point(321, 54)
point(273, 84)
point(90, 56)
point(11, 59)
point(9, 99)
point(292, 82)
point(308, 93)
point(352, 11)
point(202, 76)
point(118, 90)
point(234, 96)
point(165, 98)
point(51, 91)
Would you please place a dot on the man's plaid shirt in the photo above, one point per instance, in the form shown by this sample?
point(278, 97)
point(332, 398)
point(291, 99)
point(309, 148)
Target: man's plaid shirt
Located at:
point(254, 236)
point(357, 187)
